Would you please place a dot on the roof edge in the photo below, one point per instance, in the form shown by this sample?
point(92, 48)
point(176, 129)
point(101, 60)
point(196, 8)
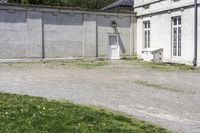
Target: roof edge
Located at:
point(63, 8)
point(121, 3)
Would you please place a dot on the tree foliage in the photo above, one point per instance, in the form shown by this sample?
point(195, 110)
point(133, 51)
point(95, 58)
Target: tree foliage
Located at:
point(92, 4)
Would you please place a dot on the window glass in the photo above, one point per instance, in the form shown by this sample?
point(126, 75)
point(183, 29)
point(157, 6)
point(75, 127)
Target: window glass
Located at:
point(112, 39)
point(179, 21)
point(175, 21)
point(145, 25)
point(179, 41)
point(148, 38)
point(145, 39)
point(176, 41)
point(147, 34)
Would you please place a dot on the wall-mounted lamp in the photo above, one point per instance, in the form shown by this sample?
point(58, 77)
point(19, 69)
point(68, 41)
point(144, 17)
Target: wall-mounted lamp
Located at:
point(182, 9)
point(114, 24)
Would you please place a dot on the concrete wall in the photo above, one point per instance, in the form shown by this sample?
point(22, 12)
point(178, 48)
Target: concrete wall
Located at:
point(13, 34)
point(35, 32)
point(90, 36)
point(104, 28)
point(198, 58)
point(161, 30)
point(63, 35)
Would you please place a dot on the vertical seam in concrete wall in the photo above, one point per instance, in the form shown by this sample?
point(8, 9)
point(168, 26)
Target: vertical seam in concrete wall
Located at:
point(135, 36)
point(131, 36)
point(97, 51)
point(27, 47)
point(43, 44)
point(195, 33)
point(83, 36)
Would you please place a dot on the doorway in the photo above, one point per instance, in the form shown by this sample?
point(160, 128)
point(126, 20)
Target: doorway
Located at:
point(113, 46)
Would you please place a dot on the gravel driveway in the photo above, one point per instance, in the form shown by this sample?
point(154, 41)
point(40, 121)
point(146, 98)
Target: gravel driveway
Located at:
point(170, 99)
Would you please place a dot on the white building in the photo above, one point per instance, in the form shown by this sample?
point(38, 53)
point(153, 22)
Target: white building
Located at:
point(158, 24)
point(168, 24)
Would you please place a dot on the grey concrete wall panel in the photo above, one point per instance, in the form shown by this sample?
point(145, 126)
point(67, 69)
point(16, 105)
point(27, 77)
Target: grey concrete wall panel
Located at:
point(63, 35)
point(13, 29)
point(90, 36)
point(34, 34)
point(198, 36)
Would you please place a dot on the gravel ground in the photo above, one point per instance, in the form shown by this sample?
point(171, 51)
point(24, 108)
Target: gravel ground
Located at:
point(170, 99)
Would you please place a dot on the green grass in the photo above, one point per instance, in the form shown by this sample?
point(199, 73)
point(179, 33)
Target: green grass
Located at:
point(91, 63)
point(83, 64)
point(25, 114)
point(165, 67)
point(156, 86)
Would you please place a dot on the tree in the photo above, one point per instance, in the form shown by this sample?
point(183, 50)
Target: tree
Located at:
point(3, 1)
point(92, 4)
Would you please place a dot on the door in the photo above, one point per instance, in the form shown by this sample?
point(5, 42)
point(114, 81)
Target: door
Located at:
point(113, 47)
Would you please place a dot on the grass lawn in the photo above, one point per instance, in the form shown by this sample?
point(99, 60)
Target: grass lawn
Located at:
point(165, 67)
point(83, 64)
point(21, 114)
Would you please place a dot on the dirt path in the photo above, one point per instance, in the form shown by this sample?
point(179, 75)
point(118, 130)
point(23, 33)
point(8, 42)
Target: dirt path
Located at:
point(170, 99)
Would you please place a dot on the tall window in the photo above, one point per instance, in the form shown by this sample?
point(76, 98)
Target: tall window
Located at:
point(176, 36)
point(147, 34)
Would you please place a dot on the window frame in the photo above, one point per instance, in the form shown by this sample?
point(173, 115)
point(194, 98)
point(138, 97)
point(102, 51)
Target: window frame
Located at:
point(174, 1)
point(176, 42)
point(146, 34)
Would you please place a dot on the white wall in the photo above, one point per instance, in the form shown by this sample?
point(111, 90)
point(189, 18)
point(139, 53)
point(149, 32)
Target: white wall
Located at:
point(160, 6)
point(159, 3)
point(161, 32)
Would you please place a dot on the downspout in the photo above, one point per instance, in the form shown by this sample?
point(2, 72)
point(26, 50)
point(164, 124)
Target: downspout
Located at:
point(195, 32)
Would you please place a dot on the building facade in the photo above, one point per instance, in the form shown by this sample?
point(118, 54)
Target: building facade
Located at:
point(170, 25)
point(37, 32)
point(49, 32)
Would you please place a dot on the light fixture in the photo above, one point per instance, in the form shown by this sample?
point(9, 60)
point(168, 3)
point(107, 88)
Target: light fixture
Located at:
point(114, 24)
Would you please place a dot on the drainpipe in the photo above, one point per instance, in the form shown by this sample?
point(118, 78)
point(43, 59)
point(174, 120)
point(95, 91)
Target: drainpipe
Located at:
point(195, 32)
